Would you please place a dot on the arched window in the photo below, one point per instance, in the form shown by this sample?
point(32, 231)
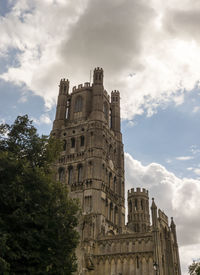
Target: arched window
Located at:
point(67, 108)
point(61, 174)
point(73, 142)
point(80, 173)
point(105, 110)
point(82, 140)
point(130, 206)
point(111, 211)
point(64, 145)
point(70, 175)
point(110, 119)
point(137, 261)
point(115, 215)
point(115, 184)
point(142, 205)
point(78, 104)
point(110, 179)
point(136, 204)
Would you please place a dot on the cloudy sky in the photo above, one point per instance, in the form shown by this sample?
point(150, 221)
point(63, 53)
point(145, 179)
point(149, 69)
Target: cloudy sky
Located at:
point(150, 51)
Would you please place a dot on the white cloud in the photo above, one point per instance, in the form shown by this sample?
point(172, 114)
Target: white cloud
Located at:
point(43, 119)
point(177, 197)
point(196, 109)
point(159, 45)
point(184, 158)
point(197, 171)
point(194, 149)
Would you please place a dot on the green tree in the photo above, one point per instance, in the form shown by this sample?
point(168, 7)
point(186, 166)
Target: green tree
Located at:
point(194, 268)
point(37, 218)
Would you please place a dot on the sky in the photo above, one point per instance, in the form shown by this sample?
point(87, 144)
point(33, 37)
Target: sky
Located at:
point(150, 52)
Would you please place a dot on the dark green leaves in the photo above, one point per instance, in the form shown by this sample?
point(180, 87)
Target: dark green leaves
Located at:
point(37, 218)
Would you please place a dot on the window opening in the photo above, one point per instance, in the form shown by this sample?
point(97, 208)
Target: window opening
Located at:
point(64, 145)
point(78, 104)
point(73, 142)
point(80, 173)
point(70, 174)
point(137, 259)
point(82, 140)
point(109, 181)
point(105, 110)
point(67, 108)
point(136, 205)
point(61, 173)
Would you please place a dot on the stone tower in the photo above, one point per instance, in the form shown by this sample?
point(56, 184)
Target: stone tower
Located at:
point(91, 164)
point(92, 157)
point(138, 210)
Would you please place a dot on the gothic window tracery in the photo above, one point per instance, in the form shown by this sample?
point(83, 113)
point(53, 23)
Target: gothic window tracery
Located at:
point(78, 104)
point(61, 174)
point(80, 173)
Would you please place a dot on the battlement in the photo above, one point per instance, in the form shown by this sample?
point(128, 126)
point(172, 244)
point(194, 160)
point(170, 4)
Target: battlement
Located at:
point(162, 216)
point(98, 69)
point(115, 93)
point(81, 87)
point(138, 191)
point(64, 81)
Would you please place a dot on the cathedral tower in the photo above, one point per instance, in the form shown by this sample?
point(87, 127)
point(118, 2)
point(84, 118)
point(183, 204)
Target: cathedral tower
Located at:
point(91, 165)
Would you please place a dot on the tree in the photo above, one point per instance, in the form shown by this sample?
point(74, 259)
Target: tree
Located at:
point(37, 218)
point(194, 268)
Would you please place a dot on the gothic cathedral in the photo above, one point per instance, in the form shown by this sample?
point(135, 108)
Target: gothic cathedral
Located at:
point(92, 166)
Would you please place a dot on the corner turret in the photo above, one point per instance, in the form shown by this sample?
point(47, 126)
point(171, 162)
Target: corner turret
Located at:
point(64, 87)
point(98, 76)
point(115, 111)
point(61, 104)
point(97, 95)
point(154, 214)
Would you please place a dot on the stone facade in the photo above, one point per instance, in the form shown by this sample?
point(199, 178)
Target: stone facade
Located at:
point(92, 166)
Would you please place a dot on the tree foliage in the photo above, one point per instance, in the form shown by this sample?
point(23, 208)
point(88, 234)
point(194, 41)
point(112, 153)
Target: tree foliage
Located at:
point(37, 218)
point(194, 268)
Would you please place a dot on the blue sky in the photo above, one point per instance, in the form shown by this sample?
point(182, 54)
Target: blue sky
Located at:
point(150, 53)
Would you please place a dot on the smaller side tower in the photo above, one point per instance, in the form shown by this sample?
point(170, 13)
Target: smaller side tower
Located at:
point(61, 104)
point(138, 210)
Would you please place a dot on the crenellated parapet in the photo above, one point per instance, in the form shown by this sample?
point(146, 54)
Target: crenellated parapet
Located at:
point(64, 86)
point(81, 87)
point(115, 97)
point(138, 191)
